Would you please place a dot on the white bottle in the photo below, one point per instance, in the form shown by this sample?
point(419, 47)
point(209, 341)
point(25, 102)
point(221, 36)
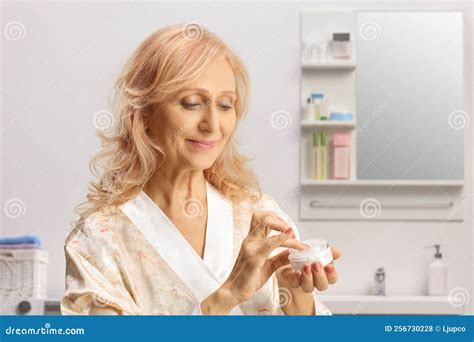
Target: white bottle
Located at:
point(308, 110)
point(317, 99)
point(438, 275)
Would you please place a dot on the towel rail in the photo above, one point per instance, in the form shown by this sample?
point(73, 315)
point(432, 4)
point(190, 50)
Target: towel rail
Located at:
point(400, 205)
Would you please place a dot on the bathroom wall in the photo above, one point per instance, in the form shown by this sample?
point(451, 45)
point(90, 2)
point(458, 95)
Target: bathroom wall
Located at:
point(59, 75)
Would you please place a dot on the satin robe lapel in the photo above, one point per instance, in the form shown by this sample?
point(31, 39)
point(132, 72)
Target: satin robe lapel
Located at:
point(202, 276)
point(218, 253)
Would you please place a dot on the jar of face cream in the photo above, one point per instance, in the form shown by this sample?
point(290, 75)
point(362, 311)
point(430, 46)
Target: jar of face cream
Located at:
point(319, 251)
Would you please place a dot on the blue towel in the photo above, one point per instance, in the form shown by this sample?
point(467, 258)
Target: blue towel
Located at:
point(18, 240)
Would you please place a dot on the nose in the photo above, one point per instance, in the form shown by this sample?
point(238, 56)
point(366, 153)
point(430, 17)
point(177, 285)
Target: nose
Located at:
point(209, 121)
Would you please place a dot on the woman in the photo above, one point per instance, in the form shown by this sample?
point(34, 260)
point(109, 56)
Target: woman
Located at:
point(177, 223)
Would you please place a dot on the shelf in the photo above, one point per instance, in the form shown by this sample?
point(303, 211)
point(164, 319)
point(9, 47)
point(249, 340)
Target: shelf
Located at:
point(368, 182)
point(328, 123)
point(328, 65)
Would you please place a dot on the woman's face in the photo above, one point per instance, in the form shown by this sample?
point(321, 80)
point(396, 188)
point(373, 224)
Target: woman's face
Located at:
point(195, 125)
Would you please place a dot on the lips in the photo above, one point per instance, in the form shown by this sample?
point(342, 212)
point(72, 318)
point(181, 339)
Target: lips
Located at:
point(202, 144)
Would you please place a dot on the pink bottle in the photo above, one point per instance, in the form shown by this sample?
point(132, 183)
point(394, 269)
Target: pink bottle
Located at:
point(341, 155)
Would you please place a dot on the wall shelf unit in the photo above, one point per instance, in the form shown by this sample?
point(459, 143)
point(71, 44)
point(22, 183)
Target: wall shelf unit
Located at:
point(328, 123)
point(348, 199)
point(375, 182)
point(330, 65)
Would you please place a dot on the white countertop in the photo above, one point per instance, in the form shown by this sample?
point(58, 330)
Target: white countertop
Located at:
point(391, 305)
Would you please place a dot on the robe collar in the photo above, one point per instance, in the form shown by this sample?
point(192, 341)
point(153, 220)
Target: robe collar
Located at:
point(202, 276)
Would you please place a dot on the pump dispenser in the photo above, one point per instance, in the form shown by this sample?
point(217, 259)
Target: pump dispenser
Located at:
point(438, 274)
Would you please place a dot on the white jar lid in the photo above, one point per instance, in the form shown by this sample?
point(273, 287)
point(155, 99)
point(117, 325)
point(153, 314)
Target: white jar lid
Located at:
point(319, 251)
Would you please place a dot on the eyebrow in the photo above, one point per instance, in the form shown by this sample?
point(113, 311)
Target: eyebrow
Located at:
point(207, 91)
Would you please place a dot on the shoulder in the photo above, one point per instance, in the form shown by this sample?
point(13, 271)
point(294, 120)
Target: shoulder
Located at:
point(99, 226)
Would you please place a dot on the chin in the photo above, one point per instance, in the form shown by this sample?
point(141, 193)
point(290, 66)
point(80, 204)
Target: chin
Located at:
point(203, 164)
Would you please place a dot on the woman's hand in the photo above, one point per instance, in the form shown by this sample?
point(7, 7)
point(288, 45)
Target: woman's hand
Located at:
point(253, 267)
point(311, 275)
point(301, 284)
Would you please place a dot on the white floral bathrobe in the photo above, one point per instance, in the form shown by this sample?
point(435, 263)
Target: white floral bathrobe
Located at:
point(137, 261)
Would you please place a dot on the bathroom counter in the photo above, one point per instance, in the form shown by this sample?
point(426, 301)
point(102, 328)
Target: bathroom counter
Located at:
point(338, 304)
point(392, 305)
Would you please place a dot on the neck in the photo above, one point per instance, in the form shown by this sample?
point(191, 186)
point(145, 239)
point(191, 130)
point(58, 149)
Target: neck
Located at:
point(167, 187)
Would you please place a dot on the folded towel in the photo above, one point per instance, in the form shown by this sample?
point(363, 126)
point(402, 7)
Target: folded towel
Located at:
point(20, 246)
point(26, 239)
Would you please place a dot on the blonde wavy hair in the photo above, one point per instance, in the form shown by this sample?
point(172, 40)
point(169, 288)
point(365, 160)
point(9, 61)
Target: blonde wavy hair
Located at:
point(169, 60)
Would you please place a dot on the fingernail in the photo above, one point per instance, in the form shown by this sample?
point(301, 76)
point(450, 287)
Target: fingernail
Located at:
point(288, 231)
point(318, 267)
point(306, 246)
point(307, 269)
point(314, 267)
point(329, 268)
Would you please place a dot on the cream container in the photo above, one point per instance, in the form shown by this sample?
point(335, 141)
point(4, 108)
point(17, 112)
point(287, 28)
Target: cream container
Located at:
point(319, 251)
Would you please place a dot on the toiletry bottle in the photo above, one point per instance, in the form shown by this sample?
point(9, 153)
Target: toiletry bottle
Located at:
point(317, 99)
point(341, 155)
point(341, 47)
point(324, 109)
point(308, 110)
point(322, 50)
point(322, 150)
point(438, 275)
point(316, 158)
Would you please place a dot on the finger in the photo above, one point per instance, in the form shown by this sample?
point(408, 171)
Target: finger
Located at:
point(292, 277)
point(282, 240)
point(319, 276)
point(307, 284)
point(265, 221)
point(295, 244)
point(331, 273)
point(336, 253)
point(277, 261)
point(259, 226)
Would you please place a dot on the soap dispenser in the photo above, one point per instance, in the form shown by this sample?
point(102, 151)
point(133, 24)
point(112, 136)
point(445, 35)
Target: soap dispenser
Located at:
point(438, 275)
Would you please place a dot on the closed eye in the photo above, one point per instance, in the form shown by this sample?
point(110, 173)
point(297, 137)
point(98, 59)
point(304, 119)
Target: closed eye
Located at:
point(191, 105)
point(226, 107)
